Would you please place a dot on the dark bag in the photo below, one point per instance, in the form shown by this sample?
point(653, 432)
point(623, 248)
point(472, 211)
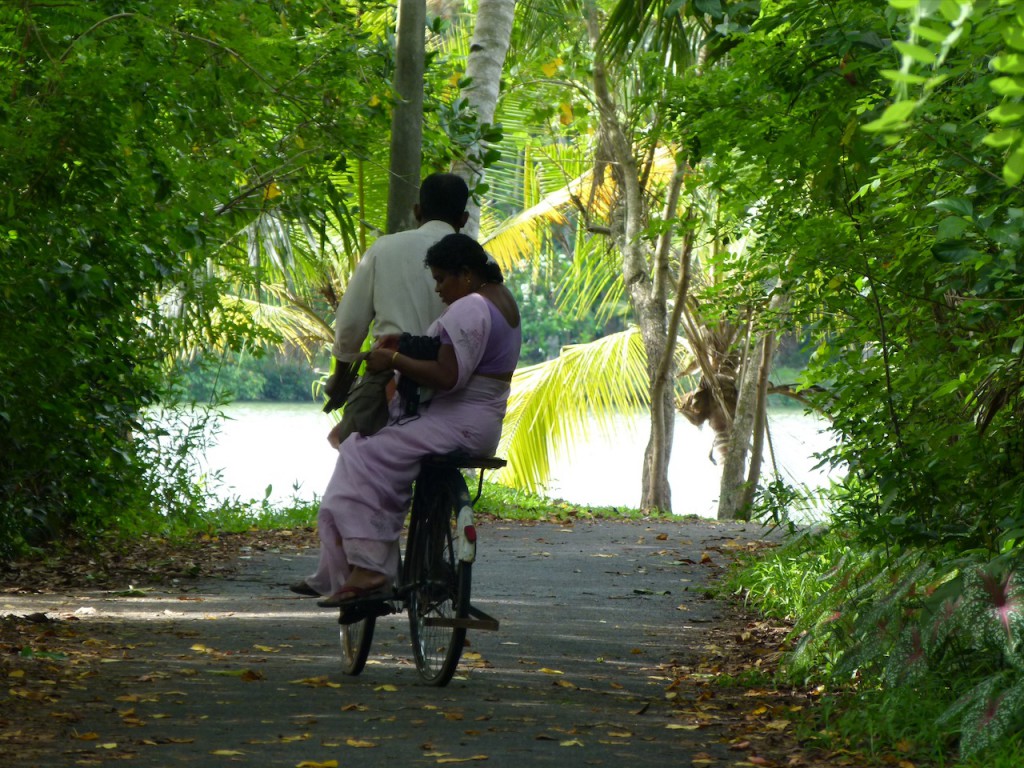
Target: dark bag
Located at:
point(339, 384)
point(418, 348)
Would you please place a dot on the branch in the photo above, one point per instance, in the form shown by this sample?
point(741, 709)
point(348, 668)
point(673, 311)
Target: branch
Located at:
point(92, 29)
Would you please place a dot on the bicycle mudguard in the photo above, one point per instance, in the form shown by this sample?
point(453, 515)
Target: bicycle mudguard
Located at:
point(467, 535)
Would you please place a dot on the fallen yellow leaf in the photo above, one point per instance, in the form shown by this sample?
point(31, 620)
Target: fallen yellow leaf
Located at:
point(571, 743)
point(360, 744)
point(315, 764)
point(547, 671)
point(317, 682)
point(386, 687)
point(227, 752)
point(462, 759)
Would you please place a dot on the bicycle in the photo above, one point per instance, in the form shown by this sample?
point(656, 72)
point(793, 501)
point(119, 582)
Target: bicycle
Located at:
point(436, 574)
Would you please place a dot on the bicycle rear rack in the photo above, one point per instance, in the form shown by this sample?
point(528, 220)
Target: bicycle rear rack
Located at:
point(463, 461)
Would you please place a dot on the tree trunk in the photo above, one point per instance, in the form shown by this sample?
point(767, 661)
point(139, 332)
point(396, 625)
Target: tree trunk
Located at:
point(730, 500)
point(487, 50)
point(646, 291)
point(749, 425)
point(407, 115)
point(760, 426)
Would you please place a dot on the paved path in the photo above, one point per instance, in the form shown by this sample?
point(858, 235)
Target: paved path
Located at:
point(241, 671)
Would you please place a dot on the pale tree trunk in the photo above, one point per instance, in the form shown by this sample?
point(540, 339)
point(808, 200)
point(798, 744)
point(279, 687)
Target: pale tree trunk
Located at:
point(730, 499)
point(760, 421)
point(491, 36)
point(749, 426)
point(646, 291)
point(407, 116)
point(663, 413)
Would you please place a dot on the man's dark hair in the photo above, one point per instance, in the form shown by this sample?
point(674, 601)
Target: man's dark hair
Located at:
point(443, 196)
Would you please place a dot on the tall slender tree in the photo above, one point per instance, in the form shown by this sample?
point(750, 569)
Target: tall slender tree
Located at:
point(407, 114)
point(488, 47)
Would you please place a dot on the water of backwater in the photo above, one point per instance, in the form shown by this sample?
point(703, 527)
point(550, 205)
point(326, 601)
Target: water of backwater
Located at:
point(280, 451)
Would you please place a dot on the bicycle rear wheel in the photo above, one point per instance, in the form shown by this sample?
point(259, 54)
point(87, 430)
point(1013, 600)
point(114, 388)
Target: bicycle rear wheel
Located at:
point(439, 582)
point(355, 644)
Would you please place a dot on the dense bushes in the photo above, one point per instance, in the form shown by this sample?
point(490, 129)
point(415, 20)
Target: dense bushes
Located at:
point(138, 147)
point(880, 146)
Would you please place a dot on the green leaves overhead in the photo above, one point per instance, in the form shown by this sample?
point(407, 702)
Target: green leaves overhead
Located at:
point(944, 39)
point(149, 137)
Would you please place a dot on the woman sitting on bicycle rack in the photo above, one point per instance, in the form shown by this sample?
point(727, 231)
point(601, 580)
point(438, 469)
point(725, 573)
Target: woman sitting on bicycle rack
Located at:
point(365, 504)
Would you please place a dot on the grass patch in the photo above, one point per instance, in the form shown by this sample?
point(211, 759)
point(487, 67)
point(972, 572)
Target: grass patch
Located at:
point(508, 504)
point(238, 516)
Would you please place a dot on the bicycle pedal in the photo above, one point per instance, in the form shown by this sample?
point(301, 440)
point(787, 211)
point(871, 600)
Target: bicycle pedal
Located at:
point(350, 614)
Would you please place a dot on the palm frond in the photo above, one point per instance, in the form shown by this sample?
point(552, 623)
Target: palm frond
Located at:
point(521, 237)
point(552, 403)
point(593, 283)
point(293, 321)
point(677, 29)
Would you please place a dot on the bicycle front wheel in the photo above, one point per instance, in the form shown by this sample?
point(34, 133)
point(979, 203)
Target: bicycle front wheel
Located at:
point(355, 644)
point(440, 583)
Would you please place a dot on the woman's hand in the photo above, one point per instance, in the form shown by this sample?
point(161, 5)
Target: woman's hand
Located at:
point(380, 359)
point(387, 341)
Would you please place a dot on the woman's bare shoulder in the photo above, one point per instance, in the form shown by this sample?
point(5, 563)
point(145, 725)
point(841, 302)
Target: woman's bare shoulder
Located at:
point(502, 298)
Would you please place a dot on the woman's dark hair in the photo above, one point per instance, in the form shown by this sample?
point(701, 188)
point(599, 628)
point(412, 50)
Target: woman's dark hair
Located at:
point(461, 253)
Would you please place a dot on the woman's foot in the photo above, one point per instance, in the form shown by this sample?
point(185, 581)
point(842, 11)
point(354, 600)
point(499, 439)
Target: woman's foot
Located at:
point(362, 585)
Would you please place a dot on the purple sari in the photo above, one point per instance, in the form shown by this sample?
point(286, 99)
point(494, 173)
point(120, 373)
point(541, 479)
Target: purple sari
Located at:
point(364, 507)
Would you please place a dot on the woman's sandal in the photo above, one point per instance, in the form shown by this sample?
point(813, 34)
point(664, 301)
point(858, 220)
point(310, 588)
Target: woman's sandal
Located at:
point(350, 595)
point(303, 588)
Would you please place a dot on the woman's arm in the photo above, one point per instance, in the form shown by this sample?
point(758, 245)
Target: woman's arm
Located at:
point(442, 373)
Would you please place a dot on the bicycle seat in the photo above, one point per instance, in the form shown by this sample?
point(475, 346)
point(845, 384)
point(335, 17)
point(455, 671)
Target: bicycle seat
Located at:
point(463, 461)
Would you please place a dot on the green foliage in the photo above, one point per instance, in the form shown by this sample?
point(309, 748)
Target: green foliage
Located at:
point(898, 251)
point(148, 136)
point(952, 626)
point(236, 516)
point(547, 327)
point(273, 376)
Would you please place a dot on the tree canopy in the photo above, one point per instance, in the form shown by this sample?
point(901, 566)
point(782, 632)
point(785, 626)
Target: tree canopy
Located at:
point(142, 138)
